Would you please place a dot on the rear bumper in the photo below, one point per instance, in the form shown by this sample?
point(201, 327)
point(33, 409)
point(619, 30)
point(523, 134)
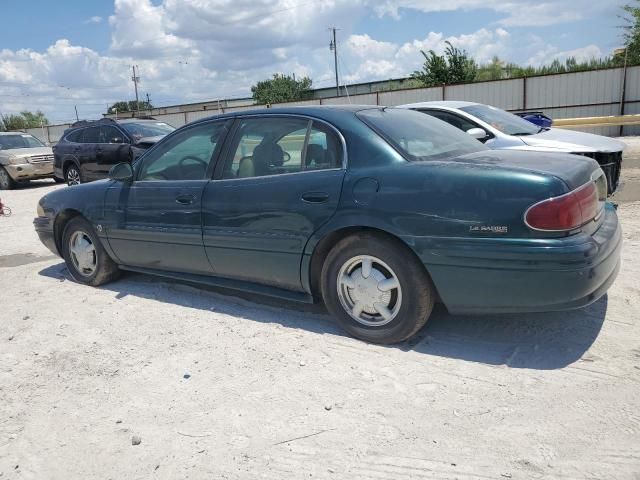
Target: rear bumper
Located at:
point(30, 171)
point(507, 275)
point(58, 172)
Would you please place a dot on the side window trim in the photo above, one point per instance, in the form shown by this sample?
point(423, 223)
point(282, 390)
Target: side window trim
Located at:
point(215, 155)
point(233, 132)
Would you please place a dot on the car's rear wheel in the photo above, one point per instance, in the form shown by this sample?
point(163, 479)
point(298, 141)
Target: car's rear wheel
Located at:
point(72, 175)
point(6, 182)
point(376, 288)
point(86, 259)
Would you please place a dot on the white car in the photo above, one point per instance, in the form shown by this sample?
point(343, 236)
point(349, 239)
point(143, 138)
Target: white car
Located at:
point(503, 130)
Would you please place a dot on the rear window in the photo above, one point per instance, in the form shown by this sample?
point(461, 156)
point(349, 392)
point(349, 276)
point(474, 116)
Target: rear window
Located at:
point(418, 136)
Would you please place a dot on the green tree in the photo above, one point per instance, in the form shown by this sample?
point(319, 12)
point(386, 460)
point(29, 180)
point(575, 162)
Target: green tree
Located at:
point(494, 70)
point(130, 106)
point(22, 120)
point(281, 88)
point(455, 66)
point(631, 34)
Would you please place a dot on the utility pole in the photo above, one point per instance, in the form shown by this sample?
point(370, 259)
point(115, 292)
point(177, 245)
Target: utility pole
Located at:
point(135, 79)
point(76, 108)
point(333, 46)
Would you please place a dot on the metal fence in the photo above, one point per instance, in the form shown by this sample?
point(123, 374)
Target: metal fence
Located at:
point(568, 95)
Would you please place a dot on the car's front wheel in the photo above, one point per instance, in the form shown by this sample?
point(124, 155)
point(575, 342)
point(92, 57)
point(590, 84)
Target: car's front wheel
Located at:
point(376, 288)
point(72, 175)
point(86, 258)
point(6, 182)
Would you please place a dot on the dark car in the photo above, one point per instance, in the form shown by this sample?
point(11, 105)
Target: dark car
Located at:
point(379, 211)
point(87, 151)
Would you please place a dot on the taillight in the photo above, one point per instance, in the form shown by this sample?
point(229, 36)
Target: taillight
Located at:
point(568, 211)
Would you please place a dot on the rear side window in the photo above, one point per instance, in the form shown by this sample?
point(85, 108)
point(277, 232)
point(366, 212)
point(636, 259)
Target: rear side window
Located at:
point(273, 145)
point(75, 136)
point(91, 135)
point(418, 136)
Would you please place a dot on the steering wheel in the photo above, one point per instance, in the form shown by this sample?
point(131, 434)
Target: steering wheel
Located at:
point(191, 157)
point(286, 156)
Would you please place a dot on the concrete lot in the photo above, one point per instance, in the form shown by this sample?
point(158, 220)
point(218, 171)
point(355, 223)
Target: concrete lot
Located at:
point(277, 391)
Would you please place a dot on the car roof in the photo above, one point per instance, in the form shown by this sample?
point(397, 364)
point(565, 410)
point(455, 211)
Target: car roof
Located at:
point(323, 112)
point(455, 104)
point(15, 133)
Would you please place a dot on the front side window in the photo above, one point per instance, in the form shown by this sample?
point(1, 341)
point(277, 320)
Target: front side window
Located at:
point(418, 136)
point(505, 122)
point(109, 134)
point(139, 130)
point(278, 145)
point(21, 140)
point(452, 119)
point(184, 156)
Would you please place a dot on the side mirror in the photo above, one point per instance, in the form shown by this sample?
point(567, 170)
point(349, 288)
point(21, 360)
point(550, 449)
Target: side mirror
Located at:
point(122, 172)
point(477, 133)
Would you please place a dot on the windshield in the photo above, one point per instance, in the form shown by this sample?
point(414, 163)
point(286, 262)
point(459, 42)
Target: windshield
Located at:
point(147, 129)
point(419, 136)
point(500, 120)
point(20, 140)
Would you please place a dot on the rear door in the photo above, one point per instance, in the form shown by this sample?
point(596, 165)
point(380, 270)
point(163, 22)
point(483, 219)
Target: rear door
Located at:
point(279, 181)
point(112, 149)
point(156, 222)
point(87, 153)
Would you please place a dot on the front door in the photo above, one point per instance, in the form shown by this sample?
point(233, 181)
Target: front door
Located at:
point(281, 180)
point(157, 220)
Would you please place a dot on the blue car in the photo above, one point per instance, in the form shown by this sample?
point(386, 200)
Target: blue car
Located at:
point(379, 212)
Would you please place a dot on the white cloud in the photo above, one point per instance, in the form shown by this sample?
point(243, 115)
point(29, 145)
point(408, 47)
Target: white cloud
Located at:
point(191, 50)
point(94, 19)
point(516, 13)
point(551, 53)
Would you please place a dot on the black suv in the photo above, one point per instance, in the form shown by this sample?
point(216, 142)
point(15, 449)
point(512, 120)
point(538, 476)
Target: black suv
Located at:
point(89, 149)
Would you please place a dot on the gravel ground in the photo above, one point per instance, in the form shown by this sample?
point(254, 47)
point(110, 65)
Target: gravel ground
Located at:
point(220, 385)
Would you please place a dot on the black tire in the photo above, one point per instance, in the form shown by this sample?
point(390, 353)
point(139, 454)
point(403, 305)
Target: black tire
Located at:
point(105, 270)
point(73, 175)
point(6, 182)
point(413, 301)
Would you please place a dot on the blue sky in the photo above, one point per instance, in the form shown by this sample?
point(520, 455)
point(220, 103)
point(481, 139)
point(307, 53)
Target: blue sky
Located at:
point(54, 54)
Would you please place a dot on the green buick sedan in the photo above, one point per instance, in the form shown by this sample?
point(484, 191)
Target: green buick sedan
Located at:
point(379, 212)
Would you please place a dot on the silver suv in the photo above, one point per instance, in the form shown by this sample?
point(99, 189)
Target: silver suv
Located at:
point(22, 158)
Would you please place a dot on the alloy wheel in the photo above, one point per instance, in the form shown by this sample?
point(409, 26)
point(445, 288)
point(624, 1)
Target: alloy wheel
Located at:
point(73, 176)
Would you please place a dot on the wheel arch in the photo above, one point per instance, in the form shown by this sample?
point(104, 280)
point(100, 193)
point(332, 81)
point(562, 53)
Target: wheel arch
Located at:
point(61, 221)
point(312, 267)
point(68, 162)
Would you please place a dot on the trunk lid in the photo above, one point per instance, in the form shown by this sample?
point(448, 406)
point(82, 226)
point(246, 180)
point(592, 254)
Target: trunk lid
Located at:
point(573, 170)
point(568, 140)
